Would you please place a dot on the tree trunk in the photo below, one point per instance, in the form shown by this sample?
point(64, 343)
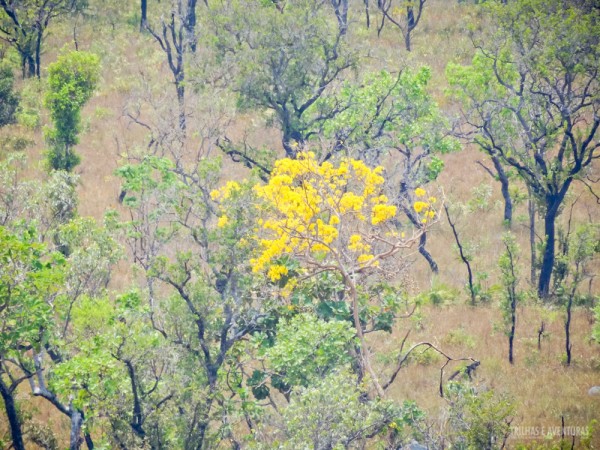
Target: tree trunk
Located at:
point(549, 252)
point(190, 25)
point(513, 324)
point(531, 211)
point(423, 239)
point(410, 25)
point(13, 416)
point(181, 104)
point(29, 61)
point(144, 14)
point(341, 13)
point(504, 183)
point(463, 257)
point(568, 344)
point(88, 440)
point(198, 444)
point(364, 349)
point(540, 332)
point(76, 423)
point(38, 52)
point(423, 251)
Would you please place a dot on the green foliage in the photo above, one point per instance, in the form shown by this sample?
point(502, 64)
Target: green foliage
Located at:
point(439, 294)
point(71, 83)
point(529, 92)
point(480, 200)
point(596, 329)
point(478, 419)
point(9, 100)
point(330, 414)
point(392, 112)
point(392, 116)
point(29, 278)
point(307, 349)
point(284, 59)
point(460, 337)
point(31, 104)
point(576, 251)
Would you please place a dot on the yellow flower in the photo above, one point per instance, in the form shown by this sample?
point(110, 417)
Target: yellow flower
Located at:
point(420, 192)
point(419, 206)
point(276, 271)
point(223, 220)
point(355, 242)
point(363, 259)
point(381, 213)
point(305, 204)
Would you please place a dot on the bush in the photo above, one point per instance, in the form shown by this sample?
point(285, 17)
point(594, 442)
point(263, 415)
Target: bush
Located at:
point(9, 101)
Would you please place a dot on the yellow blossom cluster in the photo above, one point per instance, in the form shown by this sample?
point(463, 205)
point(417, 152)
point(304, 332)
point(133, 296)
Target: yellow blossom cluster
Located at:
point(308, 204)
point(424, 207)
point(276, 271)
point(224, 193)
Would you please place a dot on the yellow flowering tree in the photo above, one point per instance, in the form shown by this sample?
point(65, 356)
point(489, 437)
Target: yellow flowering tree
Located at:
point(329, 218)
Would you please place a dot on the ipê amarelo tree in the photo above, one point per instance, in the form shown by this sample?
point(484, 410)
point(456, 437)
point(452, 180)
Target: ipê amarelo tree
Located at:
point(330, 218)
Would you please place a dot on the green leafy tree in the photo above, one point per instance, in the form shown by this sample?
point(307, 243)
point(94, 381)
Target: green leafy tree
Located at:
point(285, 59)
point(576, 251)
point(30, 278)
point(202, 299)
point(72, 80)
point(331, 414)
point(85, 272)
point(23, 25)
point(307, 348)
point(394, 116)
point(478, 419)
point(8, 99)
point(532, 95)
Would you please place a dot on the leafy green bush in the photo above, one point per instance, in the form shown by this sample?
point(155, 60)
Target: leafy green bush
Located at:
point(307, 348)
point(8, 99)
point(478, 419)
point(71, 82)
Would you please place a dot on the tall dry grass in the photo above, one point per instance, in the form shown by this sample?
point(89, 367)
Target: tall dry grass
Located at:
point(544, 389)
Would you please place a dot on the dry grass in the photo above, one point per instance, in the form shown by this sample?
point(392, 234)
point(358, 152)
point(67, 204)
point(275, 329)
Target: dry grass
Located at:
point(543, 388)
